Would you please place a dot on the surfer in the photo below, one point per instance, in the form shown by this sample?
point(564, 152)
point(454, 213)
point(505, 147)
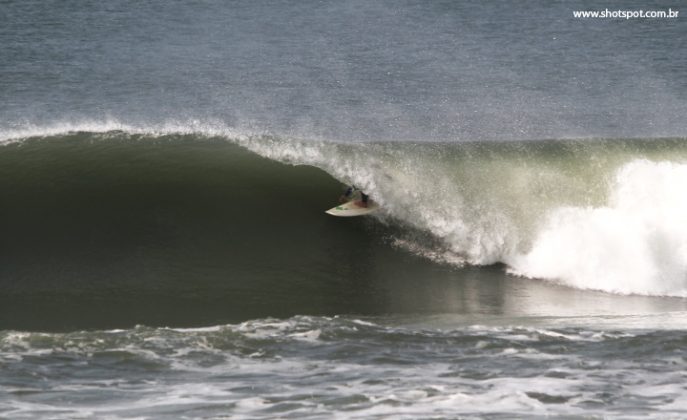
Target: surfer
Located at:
point(348, 196)
point(354, 202)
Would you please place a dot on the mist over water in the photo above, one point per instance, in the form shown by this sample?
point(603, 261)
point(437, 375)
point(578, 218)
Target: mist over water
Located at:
point(165, 167)
point(348, 71)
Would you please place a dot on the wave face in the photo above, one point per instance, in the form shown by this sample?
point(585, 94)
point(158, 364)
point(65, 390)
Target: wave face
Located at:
point(122, 215)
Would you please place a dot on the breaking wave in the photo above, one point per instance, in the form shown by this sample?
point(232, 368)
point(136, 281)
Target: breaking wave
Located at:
point(602, 214)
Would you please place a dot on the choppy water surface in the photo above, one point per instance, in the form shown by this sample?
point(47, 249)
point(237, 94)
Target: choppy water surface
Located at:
point(316, 367)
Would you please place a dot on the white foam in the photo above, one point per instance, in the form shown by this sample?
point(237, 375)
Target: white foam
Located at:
point(636, 244)
point(312, 335)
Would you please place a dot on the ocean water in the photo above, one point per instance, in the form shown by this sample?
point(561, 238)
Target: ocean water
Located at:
point(165, 167)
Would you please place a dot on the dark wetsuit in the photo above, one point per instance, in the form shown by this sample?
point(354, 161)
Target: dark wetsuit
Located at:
point(349, 194)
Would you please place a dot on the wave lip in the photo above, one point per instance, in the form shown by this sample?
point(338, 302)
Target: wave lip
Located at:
point(201, 128)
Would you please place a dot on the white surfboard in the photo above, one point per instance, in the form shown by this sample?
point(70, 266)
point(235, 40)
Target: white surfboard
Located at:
point(352, 209)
